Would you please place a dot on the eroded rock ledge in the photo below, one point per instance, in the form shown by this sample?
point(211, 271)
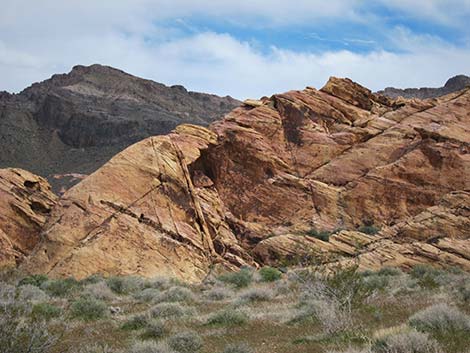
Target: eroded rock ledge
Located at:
point(245, 190)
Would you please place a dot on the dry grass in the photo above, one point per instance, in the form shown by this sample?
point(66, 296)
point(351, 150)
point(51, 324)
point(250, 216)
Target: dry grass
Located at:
point(344, 311)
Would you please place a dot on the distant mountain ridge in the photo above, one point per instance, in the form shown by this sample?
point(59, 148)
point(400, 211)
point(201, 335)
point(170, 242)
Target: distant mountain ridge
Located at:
point(75, 122)
point(454, 84)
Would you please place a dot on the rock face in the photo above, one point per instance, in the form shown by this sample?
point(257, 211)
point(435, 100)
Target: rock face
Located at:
point(75, 122)
point(454, 84)
point(26, 201)
point(250, 189)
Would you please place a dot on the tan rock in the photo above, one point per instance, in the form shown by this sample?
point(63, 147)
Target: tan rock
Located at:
point(245, 190)
point(26, 201)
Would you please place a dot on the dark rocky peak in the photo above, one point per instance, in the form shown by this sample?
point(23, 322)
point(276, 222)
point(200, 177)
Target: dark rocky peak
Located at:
point(454, 84)
point(458, 82)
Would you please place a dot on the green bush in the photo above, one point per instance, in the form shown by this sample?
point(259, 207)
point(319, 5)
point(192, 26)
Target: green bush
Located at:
point(228, 317)
point(124, 285)
point(136, 322)
point(322, 235)
point(389, 271)
point(185, 342)
point(45, 311)
point(240, 279)
point(370, 230)
point(406, 342)
point(427, 276)
point(88, 309)
point(61, 287)
point(34, 280)
point(270, 274)
point(440, 318)
point(155, 330)
point(175, 294)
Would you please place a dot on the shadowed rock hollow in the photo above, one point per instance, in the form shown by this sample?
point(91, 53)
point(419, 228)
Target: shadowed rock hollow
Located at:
point(247, 189)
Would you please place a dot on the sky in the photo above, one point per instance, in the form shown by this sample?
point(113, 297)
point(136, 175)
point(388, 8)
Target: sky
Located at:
point(242, 48)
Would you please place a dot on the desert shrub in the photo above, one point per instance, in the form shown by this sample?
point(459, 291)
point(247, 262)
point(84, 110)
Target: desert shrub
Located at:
point(162, 283)
point(30, 293)
point(270, 274)
point(33, 280)
point(24, 337)
point(427, 276)
point(440, 317)
point(322, 235)
point(124, 284)
point(147, 295)
point(406, 342)
point(175, 294)
point(167, 310)
point(327, 313)
point(228, 317)
point(155, 329)
point(463, 292)
point(149, 347)
point(240, 279)
point(185, 342)
point(238, 348)
point(370, 229)
point(376, 282)
point(88, 309)
point(95, 348)
point(344, 286)
point(20, 334)
point(99, 290)
point(95, 278)
point(45, 311)
point(61, 287)
point(389, 271)
point(136, 322)
point(217, 294)
point(256, 295)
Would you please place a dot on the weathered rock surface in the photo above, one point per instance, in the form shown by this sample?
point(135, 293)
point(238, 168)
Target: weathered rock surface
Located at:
point(454, 84)
point(26, 201)
point(75, 122)
point(246, 190)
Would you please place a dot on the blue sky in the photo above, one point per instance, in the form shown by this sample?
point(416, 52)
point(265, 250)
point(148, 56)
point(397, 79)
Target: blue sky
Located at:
point(239, 48)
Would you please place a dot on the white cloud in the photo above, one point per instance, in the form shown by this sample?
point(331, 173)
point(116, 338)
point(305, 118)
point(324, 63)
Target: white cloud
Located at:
point(40, 38)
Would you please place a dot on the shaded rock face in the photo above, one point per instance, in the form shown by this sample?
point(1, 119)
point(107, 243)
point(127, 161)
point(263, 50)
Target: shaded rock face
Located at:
point(454, 84)
point(75, 122)
point(26, 202)
point(248, 189)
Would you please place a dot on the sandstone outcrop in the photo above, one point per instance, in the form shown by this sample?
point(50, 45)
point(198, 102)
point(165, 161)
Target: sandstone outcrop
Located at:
point(26, 201)
point(249, 189)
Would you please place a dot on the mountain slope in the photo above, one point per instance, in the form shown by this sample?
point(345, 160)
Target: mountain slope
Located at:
point(454, 84)
point(258, 186)
point(75, 122)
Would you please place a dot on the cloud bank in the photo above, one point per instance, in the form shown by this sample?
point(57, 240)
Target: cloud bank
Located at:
point(156, 40)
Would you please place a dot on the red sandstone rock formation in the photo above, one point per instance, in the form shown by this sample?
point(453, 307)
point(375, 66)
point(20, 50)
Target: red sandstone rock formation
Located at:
point(247, 189)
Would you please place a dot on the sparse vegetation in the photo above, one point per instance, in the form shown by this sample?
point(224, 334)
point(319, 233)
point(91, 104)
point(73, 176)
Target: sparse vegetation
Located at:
point(322, 235)
point(185, 342)
point(304, 310)
point(369, 229)
point(270, 274)
point(240, 279)
point(88, 309)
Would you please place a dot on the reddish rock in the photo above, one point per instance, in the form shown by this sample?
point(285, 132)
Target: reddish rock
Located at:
point(243, 190)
